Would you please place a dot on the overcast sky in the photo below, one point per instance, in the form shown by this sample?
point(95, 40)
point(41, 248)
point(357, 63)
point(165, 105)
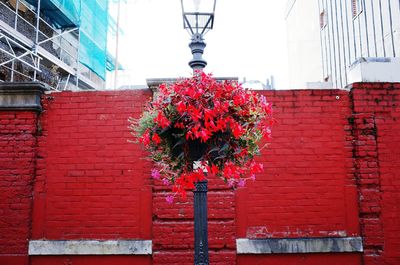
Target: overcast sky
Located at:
point(248, 40)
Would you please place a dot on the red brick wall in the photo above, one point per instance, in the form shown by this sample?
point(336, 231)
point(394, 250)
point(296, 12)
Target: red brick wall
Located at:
point(17, 168)
point(377, 148)
point(308, 188)
point(88, 260)
point(91, 182)
point(173, 234)
point(331, 170)
point(301, 259)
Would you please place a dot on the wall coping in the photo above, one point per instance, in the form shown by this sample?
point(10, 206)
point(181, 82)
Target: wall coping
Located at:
point(21, 96)
point(90, 247)
point(298, 245)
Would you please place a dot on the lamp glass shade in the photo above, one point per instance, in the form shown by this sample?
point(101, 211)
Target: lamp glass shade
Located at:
point(198, 6)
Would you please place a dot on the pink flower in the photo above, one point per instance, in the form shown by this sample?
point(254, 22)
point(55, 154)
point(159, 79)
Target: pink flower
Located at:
point(231, 182)
point(241, 183)
point(169, 199)
point(165, 182)
point(155, 174)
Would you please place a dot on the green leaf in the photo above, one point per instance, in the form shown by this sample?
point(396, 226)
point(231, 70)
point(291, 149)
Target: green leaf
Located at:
point(180, 142)
point(213, 150)
point(224, 148)
point(180, 156)
point(220, 157)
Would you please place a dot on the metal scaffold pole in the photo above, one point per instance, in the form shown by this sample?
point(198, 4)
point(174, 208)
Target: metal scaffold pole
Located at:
point(77, 61)
point(116, 46)
point(36, 36)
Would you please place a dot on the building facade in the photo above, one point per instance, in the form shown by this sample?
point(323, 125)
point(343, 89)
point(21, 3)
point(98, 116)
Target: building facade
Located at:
point(62, 44)
point(332, 37)
point(356, 30)
point(304, 46)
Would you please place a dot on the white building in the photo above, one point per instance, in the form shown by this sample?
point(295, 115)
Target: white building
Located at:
point(304, 44)
point(359, 40)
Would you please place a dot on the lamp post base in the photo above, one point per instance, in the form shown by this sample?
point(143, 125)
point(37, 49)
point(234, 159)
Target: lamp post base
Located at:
point(200, 224)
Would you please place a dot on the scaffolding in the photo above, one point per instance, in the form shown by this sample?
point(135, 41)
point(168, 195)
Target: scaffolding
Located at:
point(45, 42)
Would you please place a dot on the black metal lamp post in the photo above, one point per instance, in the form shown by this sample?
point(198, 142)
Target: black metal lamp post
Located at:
point(198, 19)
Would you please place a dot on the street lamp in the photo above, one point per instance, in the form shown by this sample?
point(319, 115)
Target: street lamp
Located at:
point(198, 19)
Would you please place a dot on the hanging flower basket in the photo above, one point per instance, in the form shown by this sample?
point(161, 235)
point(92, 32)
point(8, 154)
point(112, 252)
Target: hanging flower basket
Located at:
point(218, 125)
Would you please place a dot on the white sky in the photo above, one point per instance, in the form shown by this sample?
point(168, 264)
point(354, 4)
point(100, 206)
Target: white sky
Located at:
point(248, 40)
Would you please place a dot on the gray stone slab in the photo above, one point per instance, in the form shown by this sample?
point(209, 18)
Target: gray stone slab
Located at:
point(90, 247)
point(21, 96)
point(298, 245)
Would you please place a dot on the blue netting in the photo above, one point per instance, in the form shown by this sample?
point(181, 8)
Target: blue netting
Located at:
point(92, 18)
point(93, 35)
point(92, 56)
point(62, 13)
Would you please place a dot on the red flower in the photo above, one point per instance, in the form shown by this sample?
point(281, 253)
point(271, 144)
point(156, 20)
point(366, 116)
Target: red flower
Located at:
point(209, 114)
point(214, 169)
point(221, 124)
point(195, 113)
point(181, 107)
point(237, 130)
point(224, 122)
point(256, 168)
point(179, 125)
point(145, 139)
point(156, 139)
point(161, 120)
point(238, 100)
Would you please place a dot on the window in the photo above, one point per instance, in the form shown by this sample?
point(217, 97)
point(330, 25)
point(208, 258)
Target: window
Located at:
point(356, 7)
point(323, 21)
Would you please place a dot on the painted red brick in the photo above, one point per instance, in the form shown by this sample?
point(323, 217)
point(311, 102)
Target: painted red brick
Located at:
point(310, 259)
point(186, 257)
point(307, 189)
point(86, 260)
point(17, 168)
point(331, 170)
point(91, 182)
point(377, 148)
point(173, 226)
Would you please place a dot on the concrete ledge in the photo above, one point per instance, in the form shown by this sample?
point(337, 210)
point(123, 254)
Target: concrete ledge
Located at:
point(21, 96)
point(90, 247)
point(298, 245)
point(374, 70)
